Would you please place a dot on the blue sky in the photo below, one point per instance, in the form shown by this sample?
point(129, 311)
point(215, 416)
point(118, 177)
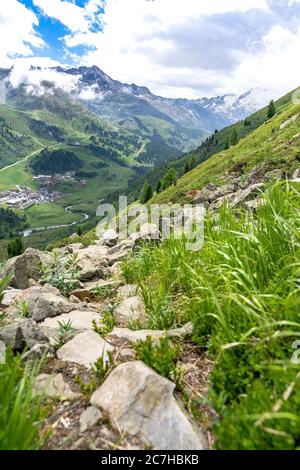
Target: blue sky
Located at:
point(181, 49)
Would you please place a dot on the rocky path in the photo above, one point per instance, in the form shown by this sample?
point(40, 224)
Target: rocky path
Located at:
point(121, 403)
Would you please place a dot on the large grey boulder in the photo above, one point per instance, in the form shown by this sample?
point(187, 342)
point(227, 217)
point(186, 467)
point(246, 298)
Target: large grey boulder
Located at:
point(141, 403)
point(130, 309)
point(26, 268)
point(21, 334)
point(54, 387)
point(44, 302)
point(85, 349)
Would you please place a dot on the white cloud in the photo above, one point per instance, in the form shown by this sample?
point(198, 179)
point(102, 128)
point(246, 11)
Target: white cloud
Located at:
point(18, 35)
point(133, 44)
point(23, 73)
point(277, 65)
point(75, 18)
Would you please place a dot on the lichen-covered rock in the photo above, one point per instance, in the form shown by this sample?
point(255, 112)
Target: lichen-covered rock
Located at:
point(26, 267)
point(141, 403)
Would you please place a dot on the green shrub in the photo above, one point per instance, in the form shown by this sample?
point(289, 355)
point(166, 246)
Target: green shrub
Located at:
point(62, 274)
point(161, 357)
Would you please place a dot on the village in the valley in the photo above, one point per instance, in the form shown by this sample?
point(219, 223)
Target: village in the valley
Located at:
point(23, 197)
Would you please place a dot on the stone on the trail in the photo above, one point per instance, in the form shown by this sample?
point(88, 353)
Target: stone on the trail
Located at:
point(2, 352)
point(89, 418)
point(108, 238)
point(141, 403)
point(85, 349)
point(120, 251)
point(22, 333)
point(244, 195)
point(92, 262)
point(156, 335)
point(44, 302)
point(126, 291)
point(26, 267)
point(9, 296)
point(54, 387)
point(79, 320)
point(131, 309)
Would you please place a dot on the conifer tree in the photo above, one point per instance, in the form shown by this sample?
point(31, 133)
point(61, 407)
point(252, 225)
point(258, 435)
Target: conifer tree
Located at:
point(146, 193)
point(234, 137)
point(15, 247)
point(271, 109)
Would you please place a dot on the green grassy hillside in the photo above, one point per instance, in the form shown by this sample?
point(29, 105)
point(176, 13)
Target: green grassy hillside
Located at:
point(211, 145)
point(274, 144)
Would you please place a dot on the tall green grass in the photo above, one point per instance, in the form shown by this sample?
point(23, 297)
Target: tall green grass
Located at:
point(242, 293)
point(20, 411)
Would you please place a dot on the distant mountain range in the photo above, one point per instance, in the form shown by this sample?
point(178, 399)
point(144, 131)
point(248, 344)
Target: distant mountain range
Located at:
point(132, 106)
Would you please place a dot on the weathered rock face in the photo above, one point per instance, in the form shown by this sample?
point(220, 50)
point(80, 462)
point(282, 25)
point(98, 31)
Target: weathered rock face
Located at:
point(22, 333)
point(54, 387)
point(131, 309)
point(85, 349)
point(44, 302)
point(26, 267)
point(142, 404)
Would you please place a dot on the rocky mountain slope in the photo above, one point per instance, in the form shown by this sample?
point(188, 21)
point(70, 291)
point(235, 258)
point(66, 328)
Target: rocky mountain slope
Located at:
point(133, 105)
point(138, 332)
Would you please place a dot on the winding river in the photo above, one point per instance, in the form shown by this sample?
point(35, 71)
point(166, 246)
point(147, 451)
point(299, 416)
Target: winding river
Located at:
point(68, 209)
